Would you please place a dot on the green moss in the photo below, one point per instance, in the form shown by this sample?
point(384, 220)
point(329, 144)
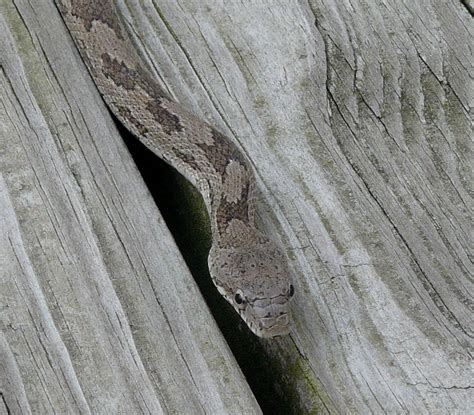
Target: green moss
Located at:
point(291, 254)
point(272, 134)
point(300, 371)
point(259, 102)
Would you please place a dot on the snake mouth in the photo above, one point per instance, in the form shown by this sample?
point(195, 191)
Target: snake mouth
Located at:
point(272, 326)
point(274, 331)
point(270, 316)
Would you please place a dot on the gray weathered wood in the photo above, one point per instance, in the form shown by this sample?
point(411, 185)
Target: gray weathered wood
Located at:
point(98, 313)
point(356, 116)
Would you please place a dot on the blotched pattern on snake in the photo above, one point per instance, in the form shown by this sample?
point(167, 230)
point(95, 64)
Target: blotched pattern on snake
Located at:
point(248, 269)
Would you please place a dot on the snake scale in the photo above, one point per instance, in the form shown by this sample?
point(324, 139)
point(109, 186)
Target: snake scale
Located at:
point(248, 268)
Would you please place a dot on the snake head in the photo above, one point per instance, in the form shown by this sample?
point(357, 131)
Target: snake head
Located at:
point(255, 280)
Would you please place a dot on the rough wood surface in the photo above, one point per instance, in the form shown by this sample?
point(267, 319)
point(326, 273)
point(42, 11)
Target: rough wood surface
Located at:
point(98, 314)
point(357, 118)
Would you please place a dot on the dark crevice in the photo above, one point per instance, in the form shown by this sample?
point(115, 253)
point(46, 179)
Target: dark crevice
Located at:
point(5, 403)
point(184, 213)
point(468, 6)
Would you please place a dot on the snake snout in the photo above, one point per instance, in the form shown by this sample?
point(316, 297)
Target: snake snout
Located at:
point(273, 329)
point(272, 317)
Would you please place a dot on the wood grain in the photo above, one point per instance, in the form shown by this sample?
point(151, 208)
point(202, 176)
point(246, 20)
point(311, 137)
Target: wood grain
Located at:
point(356, 116)
point(98, 312)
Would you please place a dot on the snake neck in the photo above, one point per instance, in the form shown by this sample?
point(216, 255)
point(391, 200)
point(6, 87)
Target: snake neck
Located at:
point(236, 234)
point(206, 157)
point(231, 185)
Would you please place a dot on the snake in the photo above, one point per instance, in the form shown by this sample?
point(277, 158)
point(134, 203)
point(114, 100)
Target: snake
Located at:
point(247, 267)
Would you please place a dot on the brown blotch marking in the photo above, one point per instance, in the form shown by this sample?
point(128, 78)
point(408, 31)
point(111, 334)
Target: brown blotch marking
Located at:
point(130, 79)
point(226, 211)
point(125, 113)
point(187, 158)
point(120, 73)
point(168, 121)
point(222, 152)
point(100, 11)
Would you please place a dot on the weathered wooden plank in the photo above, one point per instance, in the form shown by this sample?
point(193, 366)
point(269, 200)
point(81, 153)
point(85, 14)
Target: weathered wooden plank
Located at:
point(356, 117)
point(98, 312)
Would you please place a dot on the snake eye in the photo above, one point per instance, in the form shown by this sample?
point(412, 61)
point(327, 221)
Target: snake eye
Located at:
point(292, 290)
point(238, 298)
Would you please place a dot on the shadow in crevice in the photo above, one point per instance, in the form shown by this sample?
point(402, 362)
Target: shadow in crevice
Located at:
point(185, 215)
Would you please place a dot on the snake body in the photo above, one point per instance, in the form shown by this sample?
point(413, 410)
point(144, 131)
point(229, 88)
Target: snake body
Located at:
point(248, 269)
